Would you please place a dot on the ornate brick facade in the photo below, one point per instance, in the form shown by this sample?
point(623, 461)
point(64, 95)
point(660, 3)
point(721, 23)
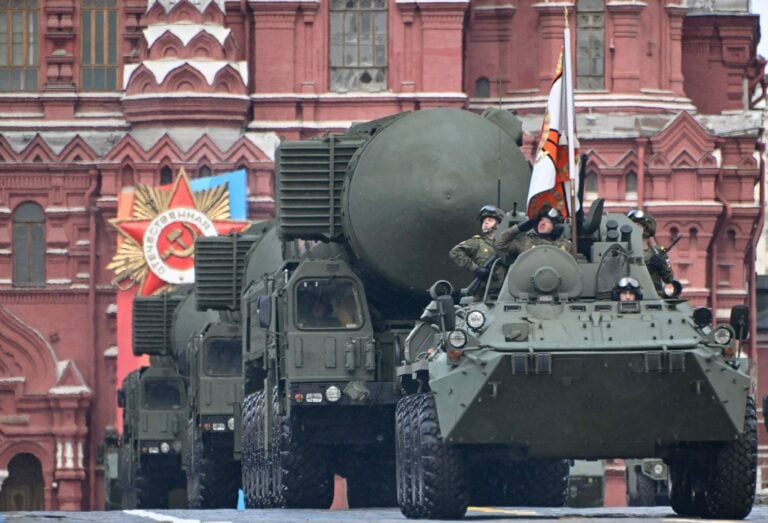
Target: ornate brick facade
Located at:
point(212, 85)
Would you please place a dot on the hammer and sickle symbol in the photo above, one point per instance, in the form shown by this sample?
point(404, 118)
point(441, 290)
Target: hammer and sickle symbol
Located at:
point(174, 237)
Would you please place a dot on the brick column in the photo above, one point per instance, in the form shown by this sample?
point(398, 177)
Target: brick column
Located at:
point(551, 28)
point(442, 46)
point(674, 55)
point(274, 37)
point(627, 46)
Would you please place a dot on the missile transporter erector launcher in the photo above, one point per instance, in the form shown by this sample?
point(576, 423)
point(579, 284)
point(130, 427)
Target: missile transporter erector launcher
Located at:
point(375, 211)
point(555, 368)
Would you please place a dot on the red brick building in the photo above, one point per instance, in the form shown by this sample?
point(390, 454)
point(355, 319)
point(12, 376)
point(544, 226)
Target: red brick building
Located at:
point(98, 95)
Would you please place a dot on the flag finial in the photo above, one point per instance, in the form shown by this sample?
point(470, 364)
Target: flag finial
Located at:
point(565, 13)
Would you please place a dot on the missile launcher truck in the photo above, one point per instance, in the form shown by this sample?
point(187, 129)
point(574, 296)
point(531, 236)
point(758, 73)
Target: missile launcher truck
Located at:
point(555, 367)
point(155, 399)
point(374, 212)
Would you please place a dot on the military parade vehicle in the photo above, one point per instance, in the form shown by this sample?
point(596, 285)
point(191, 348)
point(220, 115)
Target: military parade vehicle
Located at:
point(154, 400)
point(647, 482)
point(365, 219)
point(555, 367)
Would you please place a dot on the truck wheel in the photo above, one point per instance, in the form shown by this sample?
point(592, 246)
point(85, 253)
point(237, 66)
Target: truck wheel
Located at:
point(150, 492)
point(301, 471)
point(491, 483)
point(195, 498)
point(127, 485)
point(219, 480)
point(644, 493)
point(264, 491)
point(542, 482)
point(430, 475)
point(684, 498)
point(249, 450)
point(371, 482)
point(730, 487)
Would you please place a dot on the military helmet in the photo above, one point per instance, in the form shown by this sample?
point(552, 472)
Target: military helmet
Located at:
point(490, 211)
point(647, 221)
point(627, 283)
point(549, 212)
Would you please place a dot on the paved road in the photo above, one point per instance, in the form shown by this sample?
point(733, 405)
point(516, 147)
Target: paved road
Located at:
point(481, 514)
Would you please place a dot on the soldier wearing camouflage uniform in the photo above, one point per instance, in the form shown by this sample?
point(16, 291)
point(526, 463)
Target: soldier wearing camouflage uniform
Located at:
point(656, 258)
point(544, 229)
point(473, 254)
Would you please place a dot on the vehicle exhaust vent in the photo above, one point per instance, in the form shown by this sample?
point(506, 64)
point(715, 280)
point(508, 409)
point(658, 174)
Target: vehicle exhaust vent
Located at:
point(219, 268)
point(152, 323)
point(310, 180)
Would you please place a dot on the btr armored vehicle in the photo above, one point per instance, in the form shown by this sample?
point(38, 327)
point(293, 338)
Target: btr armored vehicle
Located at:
point(366, 219)
point(554, 367)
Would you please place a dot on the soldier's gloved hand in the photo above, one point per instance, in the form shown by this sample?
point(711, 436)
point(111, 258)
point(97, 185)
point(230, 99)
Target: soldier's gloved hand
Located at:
point(482, 273)
point(525, 226)
point(656, 262)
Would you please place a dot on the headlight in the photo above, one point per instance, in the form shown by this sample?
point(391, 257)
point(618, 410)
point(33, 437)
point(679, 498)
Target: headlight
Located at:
point(314, 397)
point(219, 427)
point(333, 393)
point(476, 319)
point(658, 469)
point(457, 338)
point(231, 423)
point(165, 448)
point(722, 336)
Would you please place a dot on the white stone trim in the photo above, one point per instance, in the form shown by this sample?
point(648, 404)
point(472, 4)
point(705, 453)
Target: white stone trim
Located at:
point(209, 68)
point(56, 250)
point(58, 281)
point(5, 123)
point(185, 32)
point(261, 199)
point(78, 286)
point(64, 390)
point(58, 210)
point(83, 243)
point(111, 309)
point(359, 94)
point(20, 379)
point(200, 4)
point(111, 352)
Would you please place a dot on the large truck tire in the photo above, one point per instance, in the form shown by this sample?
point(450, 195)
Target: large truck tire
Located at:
point(730, 490)
point(127, 485)
point(249, 450)
point(302, 474)
point(217, 481)
point(684, 496)
point(644, 492)
point(542, 482)
point(151, 492)
point(263, 470)
point(430, 473)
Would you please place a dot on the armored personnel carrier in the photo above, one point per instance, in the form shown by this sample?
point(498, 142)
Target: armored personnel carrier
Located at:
point(366, 218)
point(555, 368)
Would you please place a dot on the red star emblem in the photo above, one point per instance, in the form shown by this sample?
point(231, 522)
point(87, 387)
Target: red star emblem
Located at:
point(167, 240)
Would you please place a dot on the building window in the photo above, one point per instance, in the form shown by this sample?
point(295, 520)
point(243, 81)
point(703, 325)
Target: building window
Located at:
point(28, 246)
point(166, 176)
point(99, 45)
point(482, 87)
point(590, 44)
point(590, 187)
point(631, 188)
point(204, 172)
point(19, 45)
point(358, 45)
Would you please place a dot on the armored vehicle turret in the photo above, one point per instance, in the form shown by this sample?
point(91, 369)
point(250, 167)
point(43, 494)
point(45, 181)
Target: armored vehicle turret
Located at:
point(366, 219)
point(556, 367)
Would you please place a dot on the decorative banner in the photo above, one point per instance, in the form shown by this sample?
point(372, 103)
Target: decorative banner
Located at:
point(158, 239)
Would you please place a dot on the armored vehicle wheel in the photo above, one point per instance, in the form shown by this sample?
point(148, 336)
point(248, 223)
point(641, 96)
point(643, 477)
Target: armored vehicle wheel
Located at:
point(216, 480)
point(371, 482)
point(264, 495)
point(491, 484)
point(644, 493)
point(730, 487)
point(684, 497)
point(151, 492)
point(249, 450)
point(301, 472)
point(542, 482)
point(127, 485)
point(430, 475)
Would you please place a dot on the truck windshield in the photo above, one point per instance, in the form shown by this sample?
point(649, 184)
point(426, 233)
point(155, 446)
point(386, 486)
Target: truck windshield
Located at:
point(161, 394)
point(223, 357)
point(327, 304)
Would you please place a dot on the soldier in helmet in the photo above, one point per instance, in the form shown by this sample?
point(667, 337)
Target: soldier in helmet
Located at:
point(544, 229)
point(473, 254)
point(627, 289)
point(656, 258)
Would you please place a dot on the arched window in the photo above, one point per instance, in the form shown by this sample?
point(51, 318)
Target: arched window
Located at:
point(29, 245)
point(631, 186)
point(358, 45)
point(19, 45)
point(590, 44)
point(99, 47)
point(203, 171)
point(166, 175)
point(482, 87)
point(590, 186)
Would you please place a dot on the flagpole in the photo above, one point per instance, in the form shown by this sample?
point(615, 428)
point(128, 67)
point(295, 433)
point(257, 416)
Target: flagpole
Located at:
point(569, 112)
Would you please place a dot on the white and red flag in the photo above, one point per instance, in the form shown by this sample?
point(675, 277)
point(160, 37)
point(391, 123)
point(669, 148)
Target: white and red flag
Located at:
point(554, 169)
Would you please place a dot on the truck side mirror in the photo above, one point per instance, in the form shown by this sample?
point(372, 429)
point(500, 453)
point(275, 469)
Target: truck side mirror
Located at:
point(121, 398)
point(265, 311)
point(740, 321)
point(445, 307)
